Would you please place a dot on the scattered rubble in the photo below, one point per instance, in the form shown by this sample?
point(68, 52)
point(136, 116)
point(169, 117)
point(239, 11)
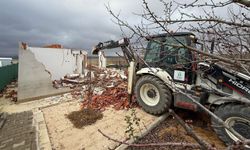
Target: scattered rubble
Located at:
point(84, 117)
point(117, 97)
point(108, 88)
point(98, 88)
point(10, 92)
point(93, 75)
point(71, 81)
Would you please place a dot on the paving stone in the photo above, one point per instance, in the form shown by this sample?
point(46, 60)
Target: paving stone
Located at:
point(2, 146)
point(18, 132)
point(3, 117)
point(19, 144)
point(7, 141)
point(33, 146)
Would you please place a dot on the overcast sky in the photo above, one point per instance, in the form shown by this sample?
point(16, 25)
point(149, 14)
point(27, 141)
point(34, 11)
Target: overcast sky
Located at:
point(76, 24)
point(72, 23)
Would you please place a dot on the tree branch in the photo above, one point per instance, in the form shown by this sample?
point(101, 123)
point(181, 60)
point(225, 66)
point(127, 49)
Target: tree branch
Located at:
point(243, 2)
point(169, 144)
point(207, 20)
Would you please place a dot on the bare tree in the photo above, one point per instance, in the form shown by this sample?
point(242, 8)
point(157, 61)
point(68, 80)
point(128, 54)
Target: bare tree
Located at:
point(229, 33)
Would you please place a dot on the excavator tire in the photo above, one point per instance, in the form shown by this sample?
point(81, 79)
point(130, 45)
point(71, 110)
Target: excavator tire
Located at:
point(236, 116)
point(153, 95)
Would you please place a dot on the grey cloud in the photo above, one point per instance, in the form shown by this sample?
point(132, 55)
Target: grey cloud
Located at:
point(74, 24)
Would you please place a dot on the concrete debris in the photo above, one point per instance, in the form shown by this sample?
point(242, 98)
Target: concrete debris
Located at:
point(72, 76)
point(123, 76)
point(70, 80)
point(98, 88)
point(98, 91)
point(76, 94)
point(104, 78)
point(76, 81)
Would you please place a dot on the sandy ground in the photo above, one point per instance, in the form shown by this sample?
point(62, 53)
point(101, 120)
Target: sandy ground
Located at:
point(56, 131)
point(64, 136)
point(4, 102)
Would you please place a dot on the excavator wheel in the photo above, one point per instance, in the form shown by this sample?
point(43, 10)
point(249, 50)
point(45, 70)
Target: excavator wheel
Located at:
point(236, 116)
point(153, 95)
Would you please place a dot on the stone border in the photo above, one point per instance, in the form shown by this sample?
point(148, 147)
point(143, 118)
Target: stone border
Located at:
point(145, 132)
point(43, 141)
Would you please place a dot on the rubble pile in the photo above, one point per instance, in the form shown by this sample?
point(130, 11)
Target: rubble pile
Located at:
point(72, 81)
point(10, 92)
point(117, 97)
point(93, 75)
point(98, 88)
point(107, 88)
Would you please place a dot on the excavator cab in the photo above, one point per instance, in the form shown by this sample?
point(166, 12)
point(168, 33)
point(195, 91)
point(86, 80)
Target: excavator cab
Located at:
point(167, 59)
point(166, 51)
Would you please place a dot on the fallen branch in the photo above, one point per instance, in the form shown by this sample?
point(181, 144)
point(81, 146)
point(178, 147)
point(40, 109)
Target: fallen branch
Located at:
point(170, 144)
point(204, 145)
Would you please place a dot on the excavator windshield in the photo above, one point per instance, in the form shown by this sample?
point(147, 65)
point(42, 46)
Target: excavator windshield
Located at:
point(167, 50)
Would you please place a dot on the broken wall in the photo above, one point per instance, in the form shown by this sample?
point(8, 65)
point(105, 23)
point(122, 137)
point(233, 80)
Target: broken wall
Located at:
point(59, 62)
point(38, 67)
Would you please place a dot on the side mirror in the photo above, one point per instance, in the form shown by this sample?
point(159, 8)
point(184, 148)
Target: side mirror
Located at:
point(212, 46)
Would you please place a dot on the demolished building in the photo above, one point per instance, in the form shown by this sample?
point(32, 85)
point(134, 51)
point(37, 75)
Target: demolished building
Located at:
point(39, 66)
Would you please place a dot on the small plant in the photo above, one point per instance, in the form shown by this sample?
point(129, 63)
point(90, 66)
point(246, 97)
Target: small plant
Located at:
point(132, 121)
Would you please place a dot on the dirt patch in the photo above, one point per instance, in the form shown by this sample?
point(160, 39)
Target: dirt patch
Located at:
point(84, 117)
point(168, 131)
point(171, 131)
point(175, 133)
